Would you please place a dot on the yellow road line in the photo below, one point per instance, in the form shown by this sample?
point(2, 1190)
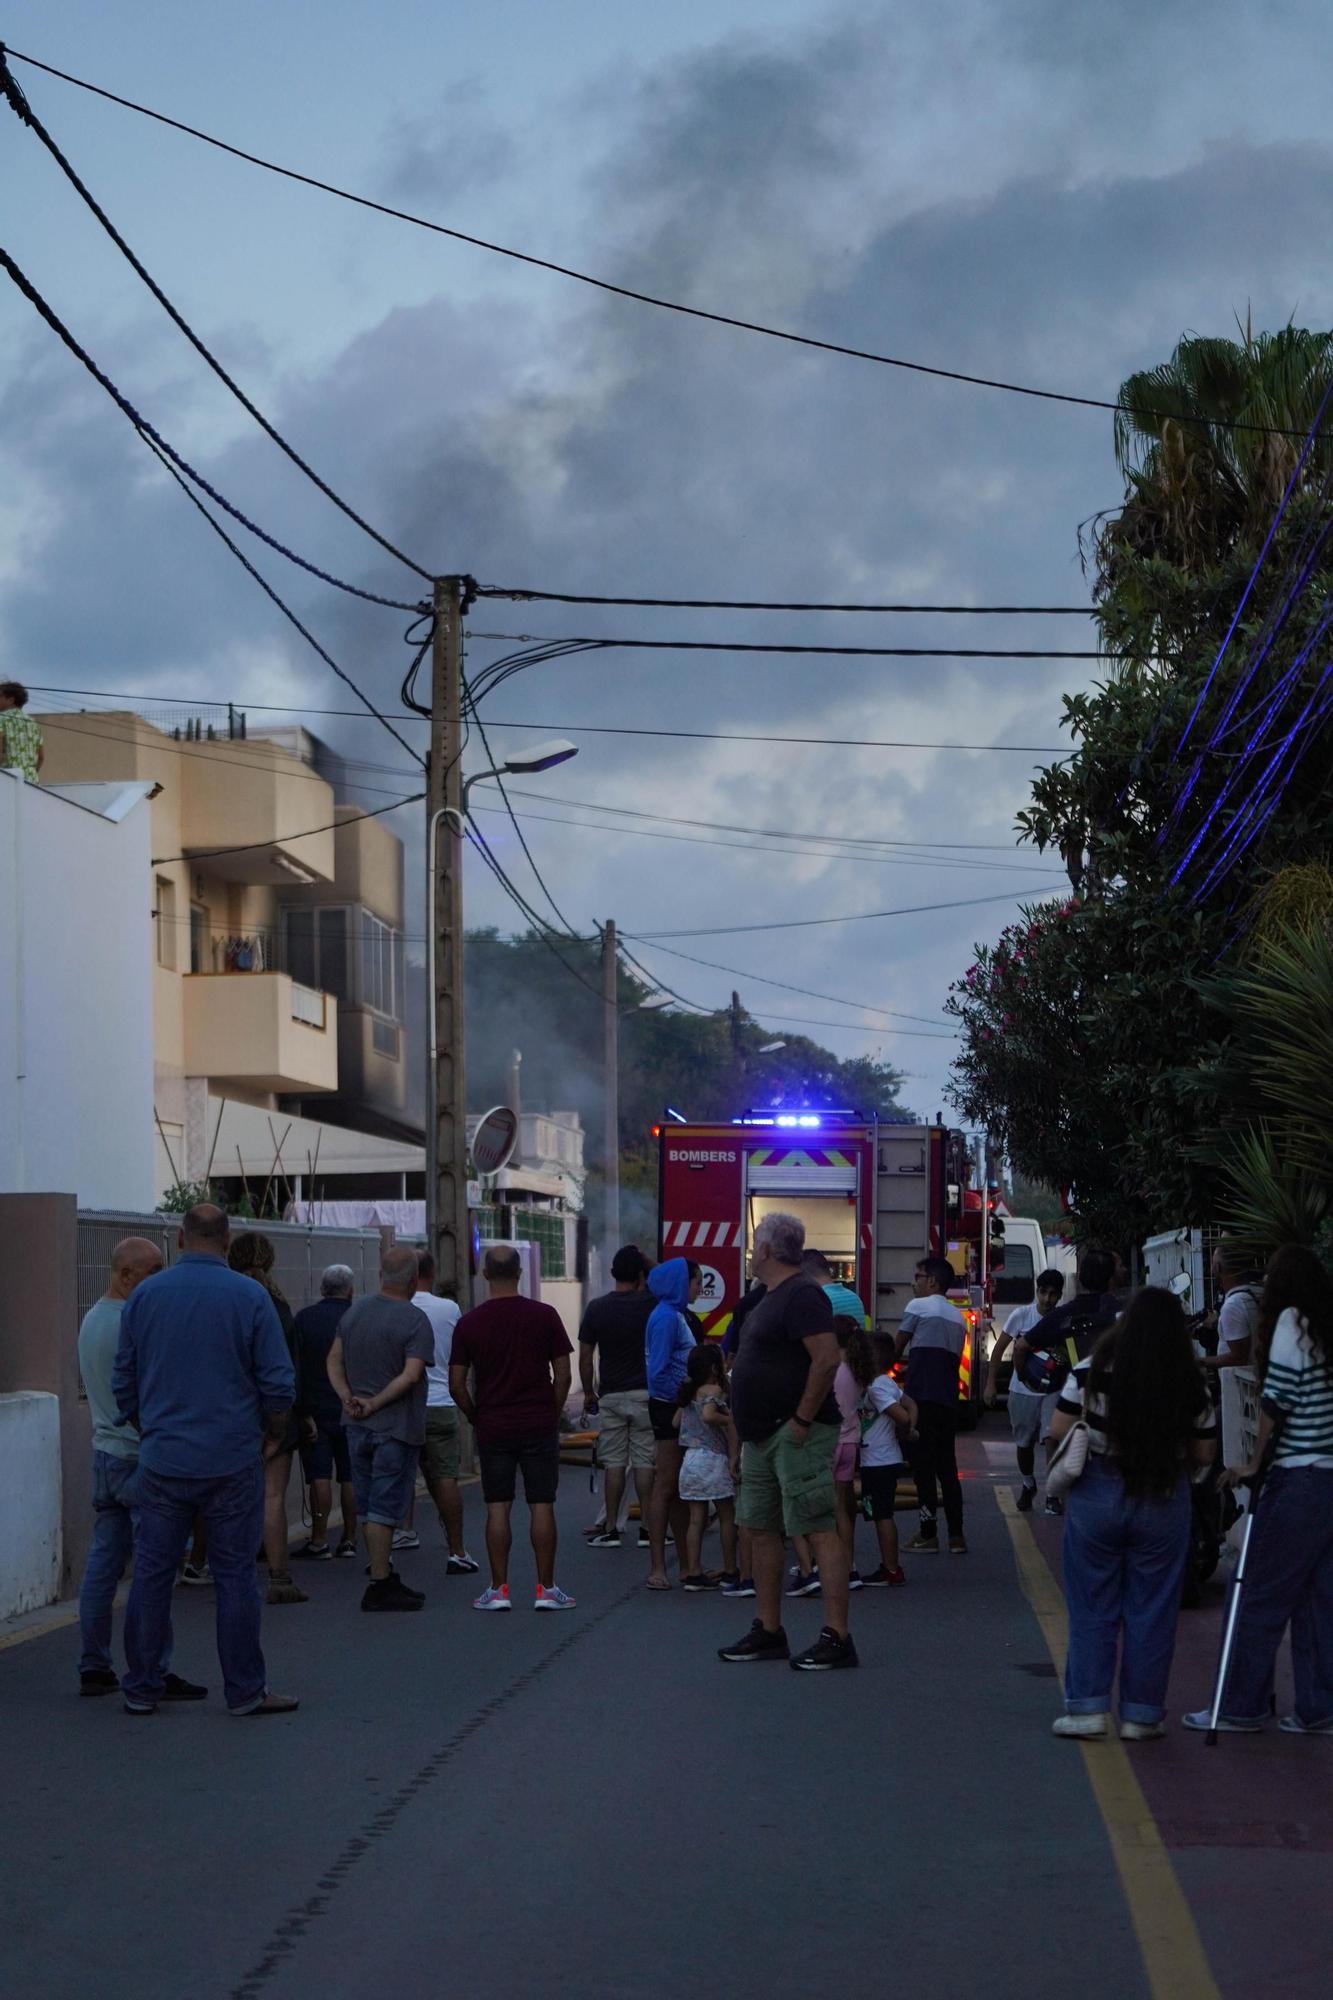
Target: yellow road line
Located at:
point(58, 1619)
point(1173, 1954)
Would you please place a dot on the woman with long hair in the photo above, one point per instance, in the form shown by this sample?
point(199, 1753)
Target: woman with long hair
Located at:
point(1127, 1519)
point(253, 1256)
point(1289, 1577)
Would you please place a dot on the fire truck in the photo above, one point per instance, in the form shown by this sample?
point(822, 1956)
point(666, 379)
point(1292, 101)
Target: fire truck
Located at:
point(875, 1196)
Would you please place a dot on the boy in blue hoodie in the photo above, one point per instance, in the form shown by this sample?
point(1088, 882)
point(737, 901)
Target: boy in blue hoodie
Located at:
point(667, 1345)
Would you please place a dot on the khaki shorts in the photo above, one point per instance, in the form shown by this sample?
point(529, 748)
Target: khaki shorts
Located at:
point(626, 1434)
point(788, 1488)
point(440, 1452)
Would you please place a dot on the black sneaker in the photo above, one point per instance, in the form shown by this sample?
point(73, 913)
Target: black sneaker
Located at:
point(392, 1594)
point(345, 1548)
point(176, 1689)
point(828, 1651)
point(701, 1582)
point(645, 1539)
point(804, 1586)
point(98, 1680)
point(608, 1539)
point(1054, 1507)
point(314, 1552)
point(1026, 1496)
point(757, 1644)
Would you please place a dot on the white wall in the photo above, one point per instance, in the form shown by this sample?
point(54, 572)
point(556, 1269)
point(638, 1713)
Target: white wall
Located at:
point(76, 1025)
point(29, 1502)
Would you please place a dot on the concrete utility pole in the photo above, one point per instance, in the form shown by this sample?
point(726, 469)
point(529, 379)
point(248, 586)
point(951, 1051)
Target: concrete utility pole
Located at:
point(611, 1141)
point(448, 1229)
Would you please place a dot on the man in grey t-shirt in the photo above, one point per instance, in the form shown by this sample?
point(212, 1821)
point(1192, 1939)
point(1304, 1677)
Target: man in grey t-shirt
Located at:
point(378, 1364)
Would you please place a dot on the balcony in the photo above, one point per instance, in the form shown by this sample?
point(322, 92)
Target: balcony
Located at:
point(250, 799)
point(261, 1030)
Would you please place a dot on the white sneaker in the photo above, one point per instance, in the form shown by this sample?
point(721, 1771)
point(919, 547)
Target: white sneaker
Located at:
point(1202, 1718)
point(494, 1598)
point(406, 1538)
point(196, 1573)
point(1291, 1725)
point(553, 1599)
point(1141, 1732)
point(1085, 1727)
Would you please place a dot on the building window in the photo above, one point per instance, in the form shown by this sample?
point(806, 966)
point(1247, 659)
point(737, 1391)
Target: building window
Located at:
point(166, 922)
point(384, 1038)
point(345, 950)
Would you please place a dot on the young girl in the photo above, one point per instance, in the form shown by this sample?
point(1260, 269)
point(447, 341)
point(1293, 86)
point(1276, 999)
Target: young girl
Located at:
point(887, 1416)
point(856, 1371)
point(708, 1470)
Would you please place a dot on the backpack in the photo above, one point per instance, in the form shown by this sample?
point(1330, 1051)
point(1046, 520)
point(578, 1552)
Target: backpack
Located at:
point(1045, 1370)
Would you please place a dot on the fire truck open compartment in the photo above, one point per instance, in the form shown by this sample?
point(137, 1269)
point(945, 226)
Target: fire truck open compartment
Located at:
point(830, 1225)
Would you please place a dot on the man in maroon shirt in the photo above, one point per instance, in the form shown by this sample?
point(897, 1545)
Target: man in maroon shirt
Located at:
point(519, 1356)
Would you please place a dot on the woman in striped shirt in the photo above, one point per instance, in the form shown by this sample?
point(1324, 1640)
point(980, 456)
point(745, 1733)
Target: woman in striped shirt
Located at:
point(1127, 1520)
point(1290, 1574)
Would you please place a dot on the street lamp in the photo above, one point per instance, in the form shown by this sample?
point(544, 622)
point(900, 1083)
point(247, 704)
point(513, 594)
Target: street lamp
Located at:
point(542, 757)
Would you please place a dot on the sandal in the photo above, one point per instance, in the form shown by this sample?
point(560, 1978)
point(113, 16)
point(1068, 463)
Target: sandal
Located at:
point(658, 1583)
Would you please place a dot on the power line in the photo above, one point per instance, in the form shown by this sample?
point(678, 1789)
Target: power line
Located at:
point(746, 846)
point(851, 917)
point(775, 833)
point(284, 839)
point(472, 708)
point(19, 105)
point(169, 748)
point(643, 298)
point(773, 646)
point(759, 604)
point(599, 728)
point(836, 998)
point(168, 453)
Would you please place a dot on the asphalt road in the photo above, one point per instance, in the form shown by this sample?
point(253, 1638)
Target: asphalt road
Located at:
point(585, 1803)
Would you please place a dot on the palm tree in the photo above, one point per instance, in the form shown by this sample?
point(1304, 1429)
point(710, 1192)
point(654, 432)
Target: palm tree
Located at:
point(1208, 442)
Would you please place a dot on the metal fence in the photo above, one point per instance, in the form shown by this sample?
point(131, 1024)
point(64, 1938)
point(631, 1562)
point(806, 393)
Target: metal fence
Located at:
point(301, 1251)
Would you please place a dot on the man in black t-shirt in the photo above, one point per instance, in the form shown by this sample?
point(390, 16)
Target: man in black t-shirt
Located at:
point(612, 1338)
point(787, 1418)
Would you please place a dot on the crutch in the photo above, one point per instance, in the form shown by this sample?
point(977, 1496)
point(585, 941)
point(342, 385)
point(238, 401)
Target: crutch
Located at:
point(1256, 1486)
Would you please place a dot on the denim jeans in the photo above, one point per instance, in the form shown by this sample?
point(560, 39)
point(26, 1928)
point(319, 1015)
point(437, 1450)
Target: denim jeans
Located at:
point(233, 1508)
point(1124, 1562)
point(115, 1504)
point(1289, 1580)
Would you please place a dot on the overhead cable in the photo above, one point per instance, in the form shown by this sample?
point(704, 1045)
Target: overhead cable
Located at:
point(285, 608)
point(861, 857)
point(68, 726)
point(592, 645)
point(850, 917)
point(284, 839)
point(760, 604)
point(592, 728)
point(18, 103)
point(768, 832)
point(763, 605)
point(837, 999)
point(167, 452)
point(646, 298)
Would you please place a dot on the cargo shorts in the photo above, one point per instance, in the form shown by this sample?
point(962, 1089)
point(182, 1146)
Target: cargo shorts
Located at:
point(788, 1487)
point(626, 1434)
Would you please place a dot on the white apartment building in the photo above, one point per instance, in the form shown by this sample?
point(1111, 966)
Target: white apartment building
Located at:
point(276, 962)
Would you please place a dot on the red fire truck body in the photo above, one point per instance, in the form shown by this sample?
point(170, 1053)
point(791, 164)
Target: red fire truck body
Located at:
point(874, 1196)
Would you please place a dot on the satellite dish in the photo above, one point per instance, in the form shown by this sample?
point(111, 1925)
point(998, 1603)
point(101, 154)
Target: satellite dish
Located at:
point(494, 1140)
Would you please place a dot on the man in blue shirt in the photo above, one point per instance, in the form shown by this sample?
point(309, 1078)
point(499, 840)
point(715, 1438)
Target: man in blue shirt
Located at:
point(203, 1373)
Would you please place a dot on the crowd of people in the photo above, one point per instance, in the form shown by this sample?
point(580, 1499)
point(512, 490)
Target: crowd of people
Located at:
point(204, 1389)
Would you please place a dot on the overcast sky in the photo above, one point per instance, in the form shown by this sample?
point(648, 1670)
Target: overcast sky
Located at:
point(1007, 187)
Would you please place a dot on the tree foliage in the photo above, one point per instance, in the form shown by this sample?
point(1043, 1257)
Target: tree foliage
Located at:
point(707, 1066)
point(1096, 1036)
